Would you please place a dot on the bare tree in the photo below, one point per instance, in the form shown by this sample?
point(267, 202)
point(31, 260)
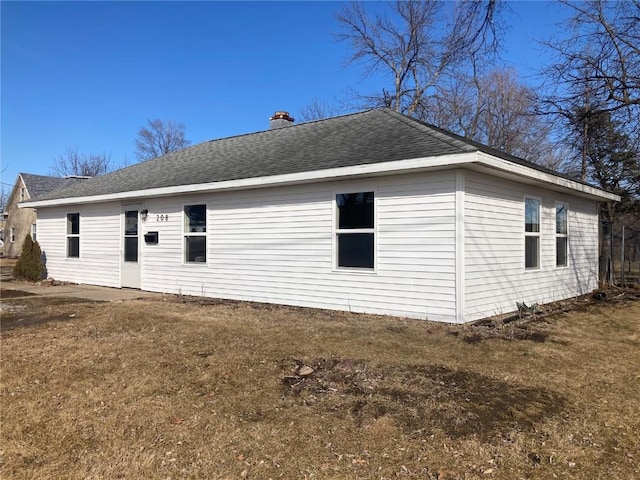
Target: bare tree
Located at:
point(508, 121)
point(4, 194)
point(595, 69)
point(88, 165)
point(317, 110)
point(158, 138)
point(497, 110)
point(416, 45)
point(4, 198)
point(601, 53)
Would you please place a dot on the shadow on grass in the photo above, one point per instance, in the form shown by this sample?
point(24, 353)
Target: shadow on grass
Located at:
point(22, 311)
point(423, 399)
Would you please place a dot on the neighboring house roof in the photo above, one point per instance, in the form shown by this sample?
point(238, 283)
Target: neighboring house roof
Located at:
point(361, 139)
point(41, 185)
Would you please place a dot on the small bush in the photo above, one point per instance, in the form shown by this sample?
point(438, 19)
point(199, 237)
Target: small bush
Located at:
point(29, 266)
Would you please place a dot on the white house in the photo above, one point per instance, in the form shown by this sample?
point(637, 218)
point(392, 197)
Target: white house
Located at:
point(370, 212)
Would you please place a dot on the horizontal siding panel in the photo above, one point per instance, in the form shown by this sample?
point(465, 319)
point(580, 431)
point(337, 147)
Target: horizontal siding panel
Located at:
point(344, 279)
point(405, 249)
point(301, 232)
point(271, 219)
point(477, 274)
point(429, 266)
point(367, 291)
point(426, 217)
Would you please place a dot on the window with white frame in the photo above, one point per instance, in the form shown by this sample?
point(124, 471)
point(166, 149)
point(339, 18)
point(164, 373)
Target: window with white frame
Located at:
point(34, 231)
point(355, 232)
point(12, 234)
point(195, 233)
point(531, 233)
point(73, 235)
point(562, 235)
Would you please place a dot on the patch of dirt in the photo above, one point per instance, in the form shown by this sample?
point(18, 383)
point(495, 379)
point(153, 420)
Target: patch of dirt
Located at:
point(15, 293)
point(11, 322)
point(23, 312)
point(530, 329)
point(421, 398)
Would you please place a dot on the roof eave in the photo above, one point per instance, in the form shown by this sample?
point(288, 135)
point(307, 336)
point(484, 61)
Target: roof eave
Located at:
point(534, 176)
point(473, 160)
point(332, 174)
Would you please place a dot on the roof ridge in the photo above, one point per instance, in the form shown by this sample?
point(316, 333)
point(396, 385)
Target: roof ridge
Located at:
point(38, 175)
point(287, 127)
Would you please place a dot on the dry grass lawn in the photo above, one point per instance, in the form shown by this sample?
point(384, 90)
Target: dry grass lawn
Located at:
point(188, 389)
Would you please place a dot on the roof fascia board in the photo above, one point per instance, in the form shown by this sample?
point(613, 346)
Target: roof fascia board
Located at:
point(390, 168)
point(544, 178)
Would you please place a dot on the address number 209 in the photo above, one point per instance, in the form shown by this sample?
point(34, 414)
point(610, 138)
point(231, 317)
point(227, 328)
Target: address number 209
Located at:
point(162, 218)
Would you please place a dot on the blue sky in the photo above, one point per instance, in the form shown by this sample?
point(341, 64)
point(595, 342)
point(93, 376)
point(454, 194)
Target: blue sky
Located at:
point(87, 75)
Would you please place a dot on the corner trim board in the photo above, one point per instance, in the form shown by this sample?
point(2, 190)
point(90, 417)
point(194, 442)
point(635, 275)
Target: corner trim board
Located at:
point(460, 253)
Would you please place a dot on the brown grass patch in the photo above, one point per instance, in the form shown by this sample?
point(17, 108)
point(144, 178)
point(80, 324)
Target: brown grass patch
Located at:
point(181, 389)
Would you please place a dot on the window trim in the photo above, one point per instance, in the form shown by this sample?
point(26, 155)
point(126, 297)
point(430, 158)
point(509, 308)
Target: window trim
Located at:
point(69, 235)
point(12, 235)
point(562, 235)
point(337, 231)
point(186, 234)
point(34, 232)
point(537, 234)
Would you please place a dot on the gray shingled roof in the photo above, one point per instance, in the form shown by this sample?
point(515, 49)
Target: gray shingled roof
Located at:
point(40, 185)
point(369, 137)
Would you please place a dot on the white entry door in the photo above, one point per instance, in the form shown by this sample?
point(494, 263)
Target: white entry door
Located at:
point(130, 269)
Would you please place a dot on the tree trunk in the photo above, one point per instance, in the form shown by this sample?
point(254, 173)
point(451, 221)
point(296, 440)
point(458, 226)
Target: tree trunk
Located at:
point(605, 267)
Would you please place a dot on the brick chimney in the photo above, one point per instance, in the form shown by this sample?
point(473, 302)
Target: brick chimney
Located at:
point(280, 119)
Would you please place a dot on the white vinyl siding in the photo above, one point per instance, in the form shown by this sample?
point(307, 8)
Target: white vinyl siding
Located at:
point(494, 247)
point(275, 245)
point(99, 262)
